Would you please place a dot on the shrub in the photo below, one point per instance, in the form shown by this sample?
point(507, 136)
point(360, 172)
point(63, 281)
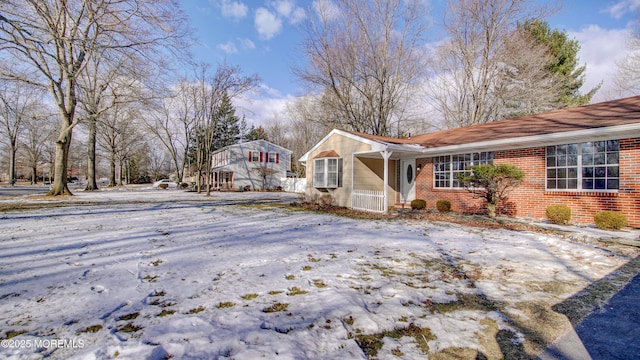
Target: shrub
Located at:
point(418, 204)
point(491, 182)
point(610, 220)
point(443, 206)
point(559, 214)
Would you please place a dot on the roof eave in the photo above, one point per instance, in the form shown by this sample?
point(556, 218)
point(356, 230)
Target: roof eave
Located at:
point(602, 133)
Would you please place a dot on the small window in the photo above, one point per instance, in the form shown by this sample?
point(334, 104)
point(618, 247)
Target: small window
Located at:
point(272, 157)
point(255, 156)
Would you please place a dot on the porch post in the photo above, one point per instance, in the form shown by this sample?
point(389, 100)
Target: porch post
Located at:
point(386, 155)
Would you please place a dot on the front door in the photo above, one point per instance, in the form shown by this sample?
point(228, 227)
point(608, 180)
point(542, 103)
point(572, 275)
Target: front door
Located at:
point(407, 180)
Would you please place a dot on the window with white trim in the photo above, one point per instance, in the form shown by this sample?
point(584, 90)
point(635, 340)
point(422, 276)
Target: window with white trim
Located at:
point(588, 166)
point(272, 157)
point(255, 156)
point(446, 169)
point(327, 173)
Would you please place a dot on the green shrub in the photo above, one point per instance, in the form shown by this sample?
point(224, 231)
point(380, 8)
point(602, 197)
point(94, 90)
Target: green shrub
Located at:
point(610, 220)
point(559, 214)
point(443, 205)
point(418, 204)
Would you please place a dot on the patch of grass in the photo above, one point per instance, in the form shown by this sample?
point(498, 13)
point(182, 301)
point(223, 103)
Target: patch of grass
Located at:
point(465, 302)
point(275, 292)
point(319, 283)
point(225, 304)
point(312, 259)
point(13, 333)
point(150, 278)
point(290, 277)
point(158, 293)
point(296, 291)
point(197, 310)
point(249, 296)
point(349, 321)
point(396, 352)
point(307, 268)
point(127, 317)
point(166, 312)
point(129, 327)
point(276, 308)
point(157, 262)
point(371, 344)
point(91, 329)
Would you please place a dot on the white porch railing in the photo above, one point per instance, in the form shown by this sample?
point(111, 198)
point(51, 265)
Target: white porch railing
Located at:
point(367, 200)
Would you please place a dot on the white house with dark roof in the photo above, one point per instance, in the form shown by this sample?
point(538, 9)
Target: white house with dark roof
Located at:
point(253, 165)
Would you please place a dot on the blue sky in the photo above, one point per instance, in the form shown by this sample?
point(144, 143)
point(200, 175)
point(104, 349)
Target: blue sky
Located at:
point(262, 36)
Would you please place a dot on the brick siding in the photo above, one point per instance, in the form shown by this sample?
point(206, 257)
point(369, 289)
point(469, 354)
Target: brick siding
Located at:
point(530, 199)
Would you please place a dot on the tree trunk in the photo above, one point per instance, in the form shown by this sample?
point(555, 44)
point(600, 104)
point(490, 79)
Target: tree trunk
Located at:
point(34, 175)
point(491, 208)
point(112, 170)
point(59, 185)
point(12, 162)
point(92, 185)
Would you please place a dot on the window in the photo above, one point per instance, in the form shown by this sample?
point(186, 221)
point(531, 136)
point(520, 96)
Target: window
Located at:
point(584, 166)
point(327, 173)
point(272, 157)
point(254, 156)
point(446, 169)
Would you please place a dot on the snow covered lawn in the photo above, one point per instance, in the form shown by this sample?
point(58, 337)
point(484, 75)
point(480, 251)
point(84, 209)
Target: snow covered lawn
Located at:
point(160, 274)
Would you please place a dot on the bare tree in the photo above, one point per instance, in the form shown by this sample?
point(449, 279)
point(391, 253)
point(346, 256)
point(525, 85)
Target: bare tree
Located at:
point(627, 78)
point(172, 120)
point(19, 102)
point(470, 66)
point(305, 129)
point(37, 138)
point(226, 82)
point(54, 40)
point(366, 59)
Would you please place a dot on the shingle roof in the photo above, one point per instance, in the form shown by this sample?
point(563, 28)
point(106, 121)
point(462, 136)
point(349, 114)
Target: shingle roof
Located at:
point(604, 114)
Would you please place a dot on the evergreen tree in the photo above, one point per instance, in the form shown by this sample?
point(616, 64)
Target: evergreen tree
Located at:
point(229, 127)
point(563, 63)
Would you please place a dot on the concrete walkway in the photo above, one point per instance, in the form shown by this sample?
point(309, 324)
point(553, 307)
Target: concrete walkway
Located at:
point(610, 332)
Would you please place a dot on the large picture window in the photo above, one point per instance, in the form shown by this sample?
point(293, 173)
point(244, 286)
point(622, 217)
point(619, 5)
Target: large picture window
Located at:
point(585, 166)
point(327, 173)
point(447, 169)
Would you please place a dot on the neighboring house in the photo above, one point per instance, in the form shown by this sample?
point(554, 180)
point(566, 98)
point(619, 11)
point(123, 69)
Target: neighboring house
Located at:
point(259, 164)
point(586, 157)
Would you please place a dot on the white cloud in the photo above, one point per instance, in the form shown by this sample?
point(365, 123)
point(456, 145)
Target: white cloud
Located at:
point(247, 44)
point(229, 47)
point(267, 23)
point(263, 104)
point(600, 49)
point(623, 7)
point(234, 9)
point(289, 10)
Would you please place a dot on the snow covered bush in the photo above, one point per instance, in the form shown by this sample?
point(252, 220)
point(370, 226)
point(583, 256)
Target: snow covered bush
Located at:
point(559, 214)
point(610, 220)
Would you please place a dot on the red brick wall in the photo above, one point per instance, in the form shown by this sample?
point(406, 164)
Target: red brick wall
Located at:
point(530, 199)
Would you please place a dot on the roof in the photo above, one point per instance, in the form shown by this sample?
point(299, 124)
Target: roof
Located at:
point(611, 119)
point(605, 114)
point(249, 144)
